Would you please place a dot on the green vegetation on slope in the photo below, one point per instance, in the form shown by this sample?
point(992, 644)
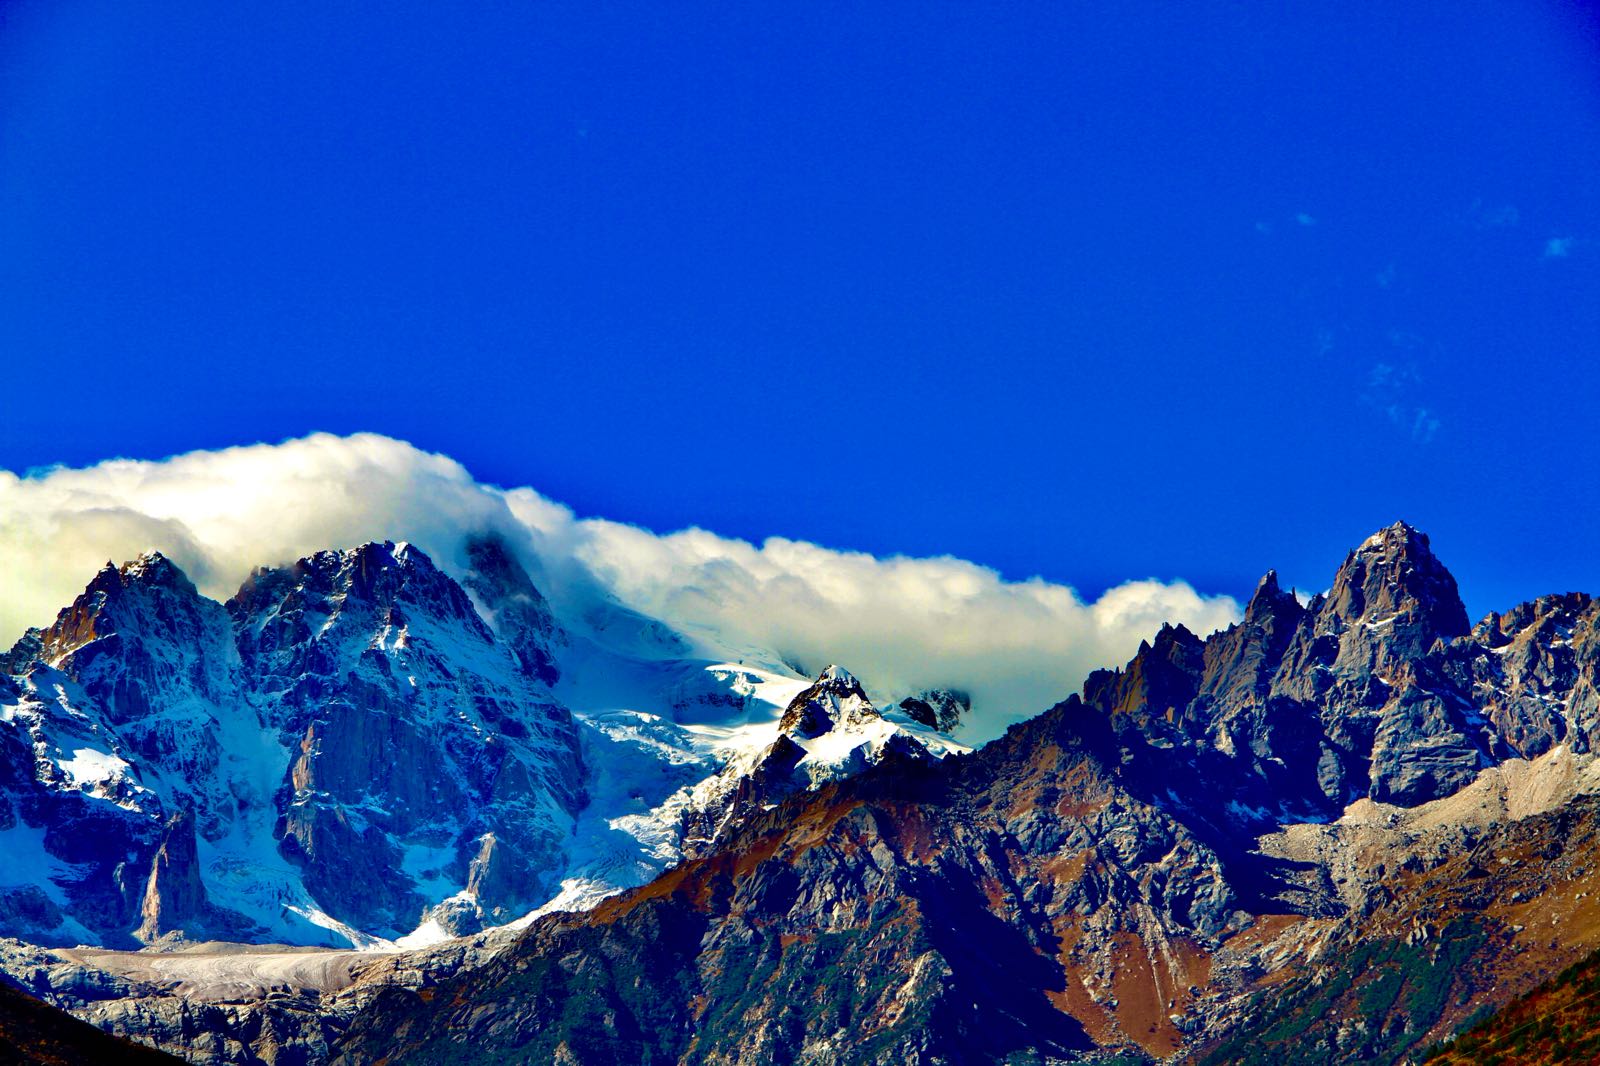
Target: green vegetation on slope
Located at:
point(1555, 1023)
point(1375, 1002)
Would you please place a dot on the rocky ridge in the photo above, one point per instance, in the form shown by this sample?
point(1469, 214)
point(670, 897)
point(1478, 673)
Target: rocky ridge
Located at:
point(1092, 883)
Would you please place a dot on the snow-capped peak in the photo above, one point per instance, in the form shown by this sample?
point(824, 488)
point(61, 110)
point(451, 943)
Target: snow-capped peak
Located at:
point(835, 699)
point(836, 674)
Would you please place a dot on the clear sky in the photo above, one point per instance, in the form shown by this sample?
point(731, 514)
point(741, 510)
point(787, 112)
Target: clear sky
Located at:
point(1171, 290)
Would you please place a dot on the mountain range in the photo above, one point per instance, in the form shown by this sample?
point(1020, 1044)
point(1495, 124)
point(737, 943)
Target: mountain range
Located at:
point(1332, 832)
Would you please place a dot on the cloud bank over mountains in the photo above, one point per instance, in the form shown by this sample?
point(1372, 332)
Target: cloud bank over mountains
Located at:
point(900, 623)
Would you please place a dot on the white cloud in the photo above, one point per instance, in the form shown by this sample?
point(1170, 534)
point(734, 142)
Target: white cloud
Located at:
point(899, 623)
point(1305, 219)
point(1559, 247)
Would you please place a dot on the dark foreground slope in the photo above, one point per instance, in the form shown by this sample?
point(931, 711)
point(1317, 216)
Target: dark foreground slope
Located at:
point(37, 1034)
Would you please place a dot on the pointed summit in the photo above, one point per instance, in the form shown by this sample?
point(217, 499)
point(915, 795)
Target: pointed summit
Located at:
point(152, 569)
point(836, 676)
point(1171, 636)
point(1394, 579)
point(1271, 601)
point(1397, 536)
point(1161, 675)
point(147, 592)
point(835, 699)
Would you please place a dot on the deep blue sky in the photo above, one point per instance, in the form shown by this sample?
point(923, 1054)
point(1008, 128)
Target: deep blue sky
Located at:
point(1180, 290)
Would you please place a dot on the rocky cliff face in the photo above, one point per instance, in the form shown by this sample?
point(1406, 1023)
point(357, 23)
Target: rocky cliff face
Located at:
point(941, 709)
point(514, 608)
point(418, 740)
point(37, 1034)
point(127, 713)
point(345, 745)
point(1376, 688)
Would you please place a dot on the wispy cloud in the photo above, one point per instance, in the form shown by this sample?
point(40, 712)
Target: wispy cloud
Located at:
point(1390, 388)
point(1305, 219)
point(1559, 247)
point(1486, 216)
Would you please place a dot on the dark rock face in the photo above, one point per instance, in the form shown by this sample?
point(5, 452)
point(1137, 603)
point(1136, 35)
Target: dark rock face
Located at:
point(941, 709)
point(416, 728)
point(117, 725)
point(515, 609)
point(836, 699)
point(352, 712)
point(1298, 710)
point(1536, 670)
point(174, 894)
point(33, 1032)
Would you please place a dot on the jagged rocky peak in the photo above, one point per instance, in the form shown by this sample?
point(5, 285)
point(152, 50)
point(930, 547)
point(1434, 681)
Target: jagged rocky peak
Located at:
point(940, 709)
point(1394, 578)
point(1270, 601)
point(28, 650)
point(391, 573)
point(1534, 672)
point(414, 728)
point(1562, 617)
point(829, 732)
point(1159, 681)
point(513, 606)
point(286, 616)
point(141, 639)
point(152, 569)
point(835, 699)
point(381, 573)
point(1241, 660)
point(116, 599)
point(1303, 708)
